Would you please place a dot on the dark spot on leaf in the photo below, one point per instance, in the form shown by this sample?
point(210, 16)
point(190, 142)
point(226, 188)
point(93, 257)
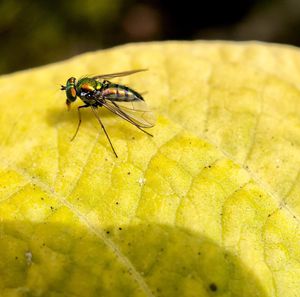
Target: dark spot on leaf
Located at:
point(128, 172)
point(213, 287)
point(120, 228)
point(107, 232)
point(117, 202)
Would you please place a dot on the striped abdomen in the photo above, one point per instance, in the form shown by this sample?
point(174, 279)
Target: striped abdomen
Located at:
point(115, 92)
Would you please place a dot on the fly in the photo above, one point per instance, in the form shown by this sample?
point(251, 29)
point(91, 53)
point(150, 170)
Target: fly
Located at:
point(121, 100)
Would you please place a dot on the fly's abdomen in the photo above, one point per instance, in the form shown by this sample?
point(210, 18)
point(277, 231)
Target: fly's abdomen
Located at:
point(115, 92)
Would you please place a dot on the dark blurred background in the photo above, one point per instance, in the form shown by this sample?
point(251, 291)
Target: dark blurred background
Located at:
point(33, 33)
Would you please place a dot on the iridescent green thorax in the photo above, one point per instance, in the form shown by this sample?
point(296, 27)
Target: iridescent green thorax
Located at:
point(88, 89)
point(88, 85)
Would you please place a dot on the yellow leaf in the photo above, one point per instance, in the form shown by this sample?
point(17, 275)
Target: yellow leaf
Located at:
point(210, 206)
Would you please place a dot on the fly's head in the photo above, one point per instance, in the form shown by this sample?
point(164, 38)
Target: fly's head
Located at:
point(70, 89)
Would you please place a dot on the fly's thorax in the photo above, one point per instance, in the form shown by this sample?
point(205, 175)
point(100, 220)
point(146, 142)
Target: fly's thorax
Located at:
point(88, 90)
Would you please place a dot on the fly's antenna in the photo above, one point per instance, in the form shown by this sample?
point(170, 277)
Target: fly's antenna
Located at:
point(62, 88)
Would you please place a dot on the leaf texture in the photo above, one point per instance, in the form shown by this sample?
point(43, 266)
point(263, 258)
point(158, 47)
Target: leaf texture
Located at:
point(210, 206)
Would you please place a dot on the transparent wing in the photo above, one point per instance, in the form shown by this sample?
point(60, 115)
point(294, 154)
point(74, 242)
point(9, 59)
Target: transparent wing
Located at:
point(117, 74)
point(135, 112)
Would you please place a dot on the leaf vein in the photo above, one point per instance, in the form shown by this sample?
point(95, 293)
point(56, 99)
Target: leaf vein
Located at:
point(98, 233)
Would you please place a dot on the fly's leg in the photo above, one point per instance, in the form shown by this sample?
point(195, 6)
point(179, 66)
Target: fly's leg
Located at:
point(130, 121)
point(100, 122)
point(79, 120)
point(143, 130)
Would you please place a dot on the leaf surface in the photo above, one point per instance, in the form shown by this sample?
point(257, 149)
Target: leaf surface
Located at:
point(209, 206)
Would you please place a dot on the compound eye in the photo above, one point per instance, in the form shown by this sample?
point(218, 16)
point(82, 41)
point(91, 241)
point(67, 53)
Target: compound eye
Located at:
point(70, 89)
point(71, 81)
point(71, 93)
